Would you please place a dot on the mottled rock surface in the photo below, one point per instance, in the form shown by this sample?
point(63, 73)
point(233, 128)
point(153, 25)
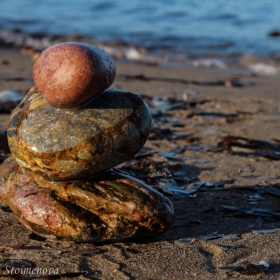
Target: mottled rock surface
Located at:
point(69, 74)
point(73, 143)
point(113, 206)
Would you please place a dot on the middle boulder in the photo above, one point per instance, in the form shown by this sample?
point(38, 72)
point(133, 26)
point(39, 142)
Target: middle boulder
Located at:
point(73, 143)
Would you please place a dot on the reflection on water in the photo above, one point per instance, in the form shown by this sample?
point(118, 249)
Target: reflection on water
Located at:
point(194, 26)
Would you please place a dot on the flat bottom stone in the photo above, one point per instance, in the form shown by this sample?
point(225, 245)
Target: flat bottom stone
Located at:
point(111, 207)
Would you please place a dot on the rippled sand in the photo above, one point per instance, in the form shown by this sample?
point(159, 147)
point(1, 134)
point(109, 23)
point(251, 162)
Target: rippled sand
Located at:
point(226, 202)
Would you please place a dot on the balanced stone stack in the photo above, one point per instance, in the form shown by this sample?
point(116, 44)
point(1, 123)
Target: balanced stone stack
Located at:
point(65, 138)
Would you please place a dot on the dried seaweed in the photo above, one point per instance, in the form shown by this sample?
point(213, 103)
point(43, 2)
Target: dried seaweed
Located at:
point(248, 269)
point(211, 236)
point(259, 223)
point(160, 133)
point(170, 187)
point(185, 240)
point(264, 231)
point(14, 79)
point(229, 245)
point(270, 189)
point(246, 146)
point(80, 252)
point(212, 115)
point(234, 82)
point(233, 210)
point(214, 185)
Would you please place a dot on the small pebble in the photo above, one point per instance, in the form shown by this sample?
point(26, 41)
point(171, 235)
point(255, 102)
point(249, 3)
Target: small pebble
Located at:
point(70, 74)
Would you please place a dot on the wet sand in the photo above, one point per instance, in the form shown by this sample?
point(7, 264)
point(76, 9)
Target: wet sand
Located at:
point(226, 197)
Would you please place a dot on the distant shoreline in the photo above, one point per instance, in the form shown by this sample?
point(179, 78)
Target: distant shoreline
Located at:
point(245, 63)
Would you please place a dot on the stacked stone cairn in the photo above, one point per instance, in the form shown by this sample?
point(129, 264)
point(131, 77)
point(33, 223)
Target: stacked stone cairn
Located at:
point(66, 137)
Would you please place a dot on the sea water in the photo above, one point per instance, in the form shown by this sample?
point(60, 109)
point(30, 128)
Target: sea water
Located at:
point(193, 26)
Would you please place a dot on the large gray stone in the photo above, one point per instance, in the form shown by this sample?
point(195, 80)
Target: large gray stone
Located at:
point(73, 143)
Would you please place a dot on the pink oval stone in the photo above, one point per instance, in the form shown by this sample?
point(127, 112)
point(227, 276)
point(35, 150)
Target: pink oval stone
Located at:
point(70, 74)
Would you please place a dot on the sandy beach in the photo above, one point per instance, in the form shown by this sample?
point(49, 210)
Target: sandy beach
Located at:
point(214, 151)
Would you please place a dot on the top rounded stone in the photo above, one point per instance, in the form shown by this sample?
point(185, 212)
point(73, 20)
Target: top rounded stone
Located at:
point(70, 74)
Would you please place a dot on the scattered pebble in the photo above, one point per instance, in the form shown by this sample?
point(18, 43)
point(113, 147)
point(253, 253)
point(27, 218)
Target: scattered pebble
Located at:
point(10, 95)
point(185, 240)
point(262, 68)
point(4, 61)
point(209, 63)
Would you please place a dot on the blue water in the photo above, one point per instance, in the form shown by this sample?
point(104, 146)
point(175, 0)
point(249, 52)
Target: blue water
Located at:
point(215, 26)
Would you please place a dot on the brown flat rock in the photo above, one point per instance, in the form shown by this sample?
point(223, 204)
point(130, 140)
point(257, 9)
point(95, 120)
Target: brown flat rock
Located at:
point(110, 207)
